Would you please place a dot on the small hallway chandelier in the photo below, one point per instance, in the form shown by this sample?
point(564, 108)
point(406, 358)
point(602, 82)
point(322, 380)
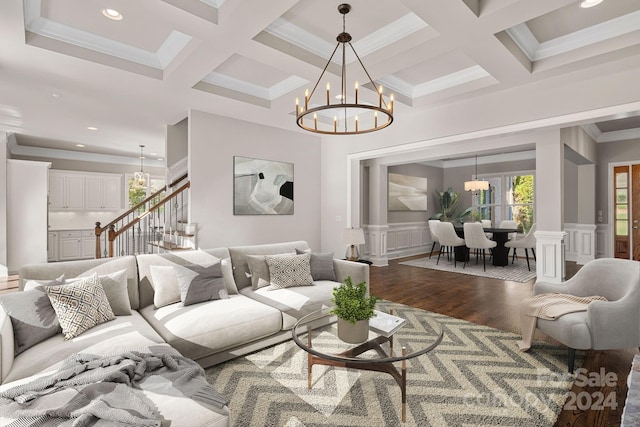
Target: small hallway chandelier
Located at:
point(141, 179)
point(349, 115)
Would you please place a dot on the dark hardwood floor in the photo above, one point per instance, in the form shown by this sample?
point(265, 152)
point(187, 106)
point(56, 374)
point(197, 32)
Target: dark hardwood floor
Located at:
point(496, 303)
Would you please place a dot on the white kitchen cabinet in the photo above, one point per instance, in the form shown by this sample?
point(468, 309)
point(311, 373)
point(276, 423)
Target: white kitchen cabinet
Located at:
point(103, 192)
point(66, 190)
point(88, 244)
point(70, 245)
point(52, 246)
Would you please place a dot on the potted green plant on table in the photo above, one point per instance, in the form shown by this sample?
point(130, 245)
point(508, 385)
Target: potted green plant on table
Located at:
point(354, 308)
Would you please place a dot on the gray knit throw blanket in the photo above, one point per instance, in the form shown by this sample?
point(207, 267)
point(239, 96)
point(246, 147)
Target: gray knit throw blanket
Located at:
point(90, 390)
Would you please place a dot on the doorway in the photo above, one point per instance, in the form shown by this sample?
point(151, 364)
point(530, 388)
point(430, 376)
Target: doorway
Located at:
point(626, 210)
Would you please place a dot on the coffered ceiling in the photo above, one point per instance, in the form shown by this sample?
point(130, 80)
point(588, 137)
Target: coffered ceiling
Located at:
point(65, 67)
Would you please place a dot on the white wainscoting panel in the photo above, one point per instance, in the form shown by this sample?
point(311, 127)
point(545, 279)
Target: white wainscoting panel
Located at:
point(580, 243)
point(550, 250)
point(603, 239)
point(375, 237)
point(408, 238)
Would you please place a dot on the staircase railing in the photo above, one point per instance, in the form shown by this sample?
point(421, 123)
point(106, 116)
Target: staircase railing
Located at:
point(145, 227)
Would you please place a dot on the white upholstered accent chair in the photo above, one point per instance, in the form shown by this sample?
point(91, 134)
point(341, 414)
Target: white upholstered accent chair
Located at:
point(606, 325)
point(507, 223)
point(526, 243)
point(433, 223)
point(448, 239)
point(475, 238)
point(486, 223)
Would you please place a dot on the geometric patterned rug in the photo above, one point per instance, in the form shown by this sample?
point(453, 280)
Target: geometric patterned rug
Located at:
point(476, 376)
point(517, 272)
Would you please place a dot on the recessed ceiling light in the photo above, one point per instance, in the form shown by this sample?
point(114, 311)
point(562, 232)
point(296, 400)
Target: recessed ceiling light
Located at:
point(80, 145)
point(590, 3)
point(160, 159)
point(92, 128)
point(56, 95)
point(112, 14)
point(153, 154)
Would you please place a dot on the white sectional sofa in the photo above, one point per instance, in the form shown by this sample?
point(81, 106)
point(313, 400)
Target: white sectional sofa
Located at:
point(208, 332)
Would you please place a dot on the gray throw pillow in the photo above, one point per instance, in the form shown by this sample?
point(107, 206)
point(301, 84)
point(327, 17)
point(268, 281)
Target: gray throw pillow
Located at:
point(259, 271)
point(33, 318)
point(200, 284)
point(321, 265)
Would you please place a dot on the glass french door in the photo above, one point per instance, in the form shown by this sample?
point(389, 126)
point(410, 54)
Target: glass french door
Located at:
point(626, 210)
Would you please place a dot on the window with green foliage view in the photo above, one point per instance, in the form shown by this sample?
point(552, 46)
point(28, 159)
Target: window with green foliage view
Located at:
point(509, 197)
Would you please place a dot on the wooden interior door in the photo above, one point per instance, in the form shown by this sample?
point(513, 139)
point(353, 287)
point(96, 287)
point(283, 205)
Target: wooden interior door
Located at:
point(621, 205)
point(634, 194)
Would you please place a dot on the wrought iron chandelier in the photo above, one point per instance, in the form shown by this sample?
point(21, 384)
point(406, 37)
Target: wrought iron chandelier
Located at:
point(141, 179)
point(349, 117)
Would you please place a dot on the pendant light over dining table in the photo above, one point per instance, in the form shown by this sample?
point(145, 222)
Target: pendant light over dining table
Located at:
point(349, 115)
point(474, 185)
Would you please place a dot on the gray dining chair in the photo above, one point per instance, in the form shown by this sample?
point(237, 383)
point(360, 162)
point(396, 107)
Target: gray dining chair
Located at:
point(475, 238)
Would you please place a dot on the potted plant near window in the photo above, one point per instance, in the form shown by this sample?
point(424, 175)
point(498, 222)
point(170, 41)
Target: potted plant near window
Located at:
point(354, 308)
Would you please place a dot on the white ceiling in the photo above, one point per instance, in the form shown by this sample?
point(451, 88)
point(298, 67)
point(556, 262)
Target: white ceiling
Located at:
point(65, 67)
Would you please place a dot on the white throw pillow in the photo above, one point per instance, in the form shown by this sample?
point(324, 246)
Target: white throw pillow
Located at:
point(166, 289)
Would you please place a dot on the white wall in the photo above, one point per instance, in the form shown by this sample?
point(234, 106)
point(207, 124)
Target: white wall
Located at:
point(26, 213)
point(3, 199)
point(176, 142)
point(213, 142)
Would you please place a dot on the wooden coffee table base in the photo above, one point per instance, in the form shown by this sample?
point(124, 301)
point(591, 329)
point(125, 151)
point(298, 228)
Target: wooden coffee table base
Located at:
point(375, 344)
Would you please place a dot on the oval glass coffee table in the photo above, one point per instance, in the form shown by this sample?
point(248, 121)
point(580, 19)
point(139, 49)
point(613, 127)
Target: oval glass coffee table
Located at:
point(317, 334)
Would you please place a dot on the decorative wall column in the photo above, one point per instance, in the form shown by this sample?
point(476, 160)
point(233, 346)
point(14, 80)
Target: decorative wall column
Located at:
point(378, 227)
point(549, 206)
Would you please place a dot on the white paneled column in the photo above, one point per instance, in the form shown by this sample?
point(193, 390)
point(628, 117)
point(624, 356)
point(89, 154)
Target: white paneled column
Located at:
point(549, 206)
point(378, 227)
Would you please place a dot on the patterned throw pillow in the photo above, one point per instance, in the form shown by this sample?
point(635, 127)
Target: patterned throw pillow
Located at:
point(32, 317)
point(199, 284)
point(115, 287)
point(80, 305)
point(289, 271)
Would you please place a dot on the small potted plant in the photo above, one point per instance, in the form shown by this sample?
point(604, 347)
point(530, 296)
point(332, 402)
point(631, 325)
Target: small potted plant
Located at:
point(354, 308)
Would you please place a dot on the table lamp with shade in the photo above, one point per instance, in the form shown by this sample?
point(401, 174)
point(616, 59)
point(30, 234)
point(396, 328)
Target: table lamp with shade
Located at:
point(353, 237)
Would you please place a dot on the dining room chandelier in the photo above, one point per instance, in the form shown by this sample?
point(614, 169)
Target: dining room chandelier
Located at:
point(475, 185)
point(349, 115)
point(141, 179)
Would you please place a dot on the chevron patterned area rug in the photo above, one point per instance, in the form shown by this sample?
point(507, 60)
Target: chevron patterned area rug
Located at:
point(517, 272)
point(476, 376)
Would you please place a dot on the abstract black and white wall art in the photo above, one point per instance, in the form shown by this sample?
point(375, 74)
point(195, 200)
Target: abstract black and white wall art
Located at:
point(262, 187)
point(407, 193)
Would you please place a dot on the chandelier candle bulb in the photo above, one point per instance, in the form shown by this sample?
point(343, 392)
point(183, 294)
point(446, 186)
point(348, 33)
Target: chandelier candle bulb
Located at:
point(356, 92)
point(375, 119)
point(328, 96)
point(380, 95)
point(306, 99)
point(356, 123)
point(335, 124)
point(391, 103)
point(297, 106)
point(315, 120)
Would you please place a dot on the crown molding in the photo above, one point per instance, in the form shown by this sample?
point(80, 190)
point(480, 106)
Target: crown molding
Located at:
point(534, 50)
point(170, 48)
point(269, 94)
point(54, 153)
point(619, 135)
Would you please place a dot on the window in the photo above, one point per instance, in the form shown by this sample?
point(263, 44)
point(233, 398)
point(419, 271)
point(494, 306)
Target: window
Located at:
point(509, 197)
point(136, 195)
